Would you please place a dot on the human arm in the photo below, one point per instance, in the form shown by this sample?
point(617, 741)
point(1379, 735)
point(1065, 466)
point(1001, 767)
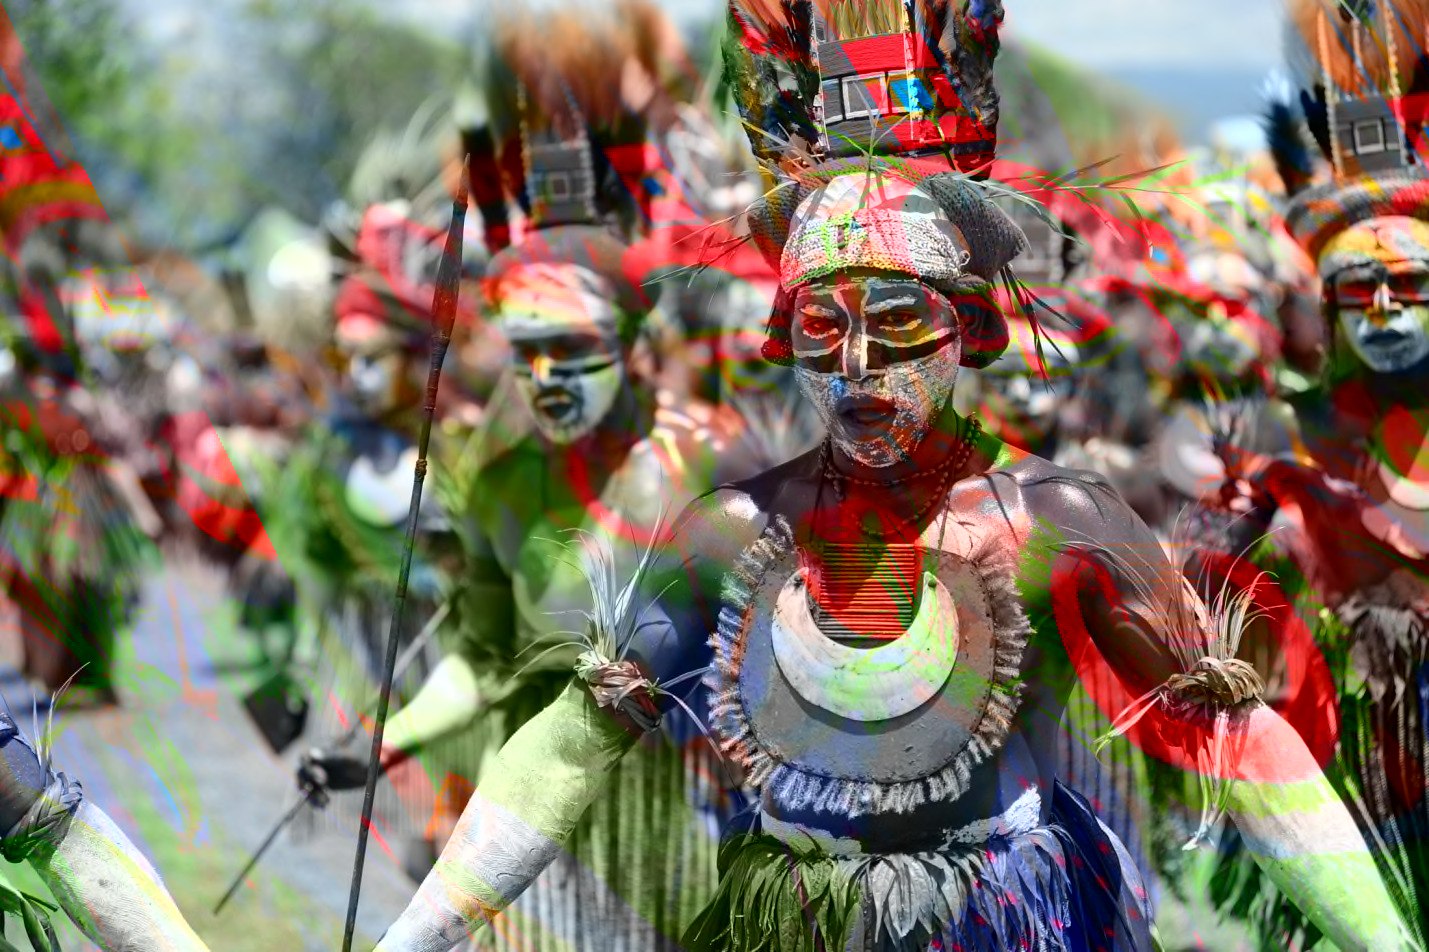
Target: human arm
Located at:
point(1115, 599)
point(111, 891)
point(555, 766)
point(98, 876)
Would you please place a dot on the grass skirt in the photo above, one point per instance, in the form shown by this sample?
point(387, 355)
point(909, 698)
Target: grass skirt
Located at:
point(1068, 886)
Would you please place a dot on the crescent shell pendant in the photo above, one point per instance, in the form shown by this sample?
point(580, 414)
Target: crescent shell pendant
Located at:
point(875, 684)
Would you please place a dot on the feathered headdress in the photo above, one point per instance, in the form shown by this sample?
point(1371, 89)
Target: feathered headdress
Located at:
point(901, 92)
point(1363, 76)
point(562, 141)
point(833, 78)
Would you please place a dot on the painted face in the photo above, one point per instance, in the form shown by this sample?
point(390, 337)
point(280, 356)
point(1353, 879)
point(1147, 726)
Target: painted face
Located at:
point(877, 354)
point(569, 362)
point(377, 364)
point(1378, 279)
point(745, 309)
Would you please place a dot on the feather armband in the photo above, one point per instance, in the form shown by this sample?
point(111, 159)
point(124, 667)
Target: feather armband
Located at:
point(620, 687)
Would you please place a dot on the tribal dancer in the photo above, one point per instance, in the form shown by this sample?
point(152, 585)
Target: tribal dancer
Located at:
point(598, 454)
point(1337, 471)
point(73, 549)
point(336, 511)
point(893, 613)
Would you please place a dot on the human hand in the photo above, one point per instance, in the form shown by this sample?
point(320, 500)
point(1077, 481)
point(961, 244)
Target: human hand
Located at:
point(326, 770)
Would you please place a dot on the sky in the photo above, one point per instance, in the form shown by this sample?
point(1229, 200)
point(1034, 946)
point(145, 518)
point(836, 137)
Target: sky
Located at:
point(1109, 34)
point(1241, 35)
point(1203, 59)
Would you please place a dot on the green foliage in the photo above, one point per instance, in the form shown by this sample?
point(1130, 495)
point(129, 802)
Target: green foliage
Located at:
point(342, 73)
point(33, 913)
point(1091, 110)
point(107, 89)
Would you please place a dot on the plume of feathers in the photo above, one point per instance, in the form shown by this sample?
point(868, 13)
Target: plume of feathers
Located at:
point(560, 74)
point(1366, 43)
point(769, 67)
point(771, 62)
point(1285, 135)
point(406, 164)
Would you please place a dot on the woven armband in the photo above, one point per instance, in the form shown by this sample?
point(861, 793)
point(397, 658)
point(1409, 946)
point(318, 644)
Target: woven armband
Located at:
point(619, 686)
point(1199, 705)
point(50, 799)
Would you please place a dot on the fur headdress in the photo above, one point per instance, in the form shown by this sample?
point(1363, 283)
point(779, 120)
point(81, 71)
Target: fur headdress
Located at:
point(1362, 75)
point(891, 90)
point(564, 143)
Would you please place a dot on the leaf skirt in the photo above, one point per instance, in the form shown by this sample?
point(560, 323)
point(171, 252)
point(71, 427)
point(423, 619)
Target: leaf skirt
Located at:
point(1069, 886)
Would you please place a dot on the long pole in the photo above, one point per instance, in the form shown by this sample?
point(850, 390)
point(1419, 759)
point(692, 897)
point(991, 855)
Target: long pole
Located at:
point(443, 318)
point(258, 853)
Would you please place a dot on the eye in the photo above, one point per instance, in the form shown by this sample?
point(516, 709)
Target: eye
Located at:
point(1356, 293)
point(899, 320)
point(818, 325)
point(1410, 287)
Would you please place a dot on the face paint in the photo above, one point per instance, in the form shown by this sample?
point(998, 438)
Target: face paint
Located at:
point(1377, 275)
point(569, 362)
point(373, 380)
point(878, 357)
point(1391, 343)
point(569, 400)
point(375, 362)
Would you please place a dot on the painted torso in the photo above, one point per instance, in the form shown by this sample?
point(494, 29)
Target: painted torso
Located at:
point(1371, 523)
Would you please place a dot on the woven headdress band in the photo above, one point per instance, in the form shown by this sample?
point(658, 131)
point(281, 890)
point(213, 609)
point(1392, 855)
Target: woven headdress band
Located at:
point(861, 222)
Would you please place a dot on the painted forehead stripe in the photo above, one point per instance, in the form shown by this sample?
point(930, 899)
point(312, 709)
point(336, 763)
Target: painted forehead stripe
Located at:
point(531, 299)
point(1380, 241)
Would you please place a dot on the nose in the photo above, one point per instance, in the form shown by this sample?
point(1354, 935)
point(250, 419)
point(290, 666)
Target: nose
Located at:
point(855, 354)
point(541, 370)
point(1384, 303)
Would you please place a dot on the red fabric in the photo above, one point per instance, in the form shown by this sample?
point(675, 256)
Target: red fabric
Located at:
point(1312, 706)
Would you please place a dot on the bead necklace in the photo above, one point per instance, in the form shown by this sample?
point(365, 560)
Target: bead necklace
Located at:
point(947, 470)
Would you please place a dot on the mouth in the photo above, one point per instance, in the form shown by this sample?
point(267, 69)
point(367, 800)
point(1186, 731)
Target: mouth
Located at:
point(865, 416)
point(556, 404)
point(1384, 339)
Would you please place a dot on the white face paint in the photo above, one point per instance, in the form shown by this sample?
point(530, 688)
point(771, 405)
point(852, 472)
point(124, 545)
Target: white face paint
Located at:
point(375, 362)
point(372, 380)
point(569, 401)
point(1377, 274)
point(878, 357)
point(1389, 343)
point(569, 362)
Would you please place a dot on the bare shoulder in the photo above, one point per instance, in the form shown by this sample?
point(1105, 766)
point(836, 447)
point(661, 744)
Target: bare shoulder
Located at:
point(1071, 503)
point(721, 524)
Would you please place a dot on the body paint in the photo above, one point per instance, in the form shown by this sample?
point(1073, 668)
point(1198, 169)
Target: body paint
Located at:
point(877, 356)
point(568, 403)
point(1377, 275)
